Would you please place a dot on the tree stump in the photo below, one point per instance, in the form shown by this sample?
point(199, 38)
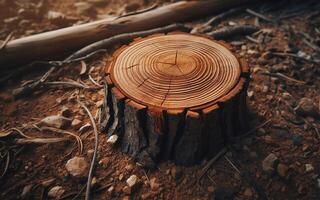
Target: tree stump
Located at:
point(177, 97)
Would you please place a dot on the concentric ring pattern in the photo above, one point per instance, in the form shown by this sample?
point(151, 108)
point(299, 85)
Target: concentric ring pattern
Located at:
point(175, 71)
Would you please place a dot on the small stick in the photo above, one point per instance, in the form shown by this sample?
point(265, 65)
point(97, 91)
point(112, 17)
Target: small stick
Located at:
point(39, 140)
point(213, 160)
point(125, 38)
point(7, 165)
point(79, 141)
point(259, 15)
point(253, 40)
point(231, 163)
point(95, 130)
point(5, 42)
point(251, 131)
point(280, 75)
point(218, 18)
point(294, 56)
point(95, 82)
point(228, 32)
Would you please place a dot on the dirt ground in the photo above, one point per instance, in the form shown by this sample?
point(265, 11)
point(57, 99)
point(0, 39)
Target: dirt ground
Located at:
point(35, 168)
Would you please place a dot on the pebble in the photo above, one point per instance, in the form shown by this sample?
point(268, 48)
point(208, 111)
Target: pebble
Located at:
point(111, 189)
point(282, 170)
point(56, 121)
point(112, 139)
point(77, 167)
point(306, 107)
point(250, 94)
point(56, 192)
point(132, 180)
point(309, 167)
point(76, 123)
point(270, 162)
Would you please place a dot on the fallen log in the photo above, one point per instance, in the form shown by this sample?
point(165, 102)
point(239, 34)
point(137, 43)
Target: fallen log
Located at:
point(51, 45)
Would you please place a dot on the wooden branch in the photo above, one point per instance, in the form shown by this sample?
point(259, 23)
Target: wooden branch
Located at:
point(125, 38)
point(47, 45)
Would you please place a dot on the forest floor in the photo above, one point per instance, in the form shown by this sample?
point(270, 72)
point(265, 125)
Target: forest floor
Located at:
point(281, 86)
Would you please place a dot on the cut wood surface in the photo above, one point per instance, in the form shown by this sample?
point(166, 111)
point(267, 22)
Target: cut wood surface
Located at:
point(182, 96)
point(51, 45)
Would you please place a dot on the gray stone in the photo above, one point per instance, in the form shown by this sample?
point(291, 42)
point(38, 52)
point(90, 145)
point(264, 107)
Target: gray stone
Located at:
point(270, 162)
point(56, 121)
point(77, 167)
point(132, 180)
point(56, 192)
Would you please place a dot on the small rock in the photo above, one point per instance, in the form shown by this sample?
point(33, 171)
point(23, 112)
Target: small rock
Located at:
point(26, 192)
point(110, 189)
point(270, 162)
point(248, 192)
point(60, 19)
point(94, 182)
point(306, 107)
point(56, 121)
point(282, 170)
point(250, 94)
point(56, 192)
point(132, 180)
point(76, 123)
point(265, 89)
point(112, 139)
point(121, 177)
point(90, 153)
point(154, 185)
point(126, 189)
point(77, 167)
point(65, 112)
point(309, 167)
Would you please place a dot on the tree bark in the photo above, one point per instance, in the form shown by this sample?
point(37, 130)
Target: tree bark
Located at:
point(51, 45)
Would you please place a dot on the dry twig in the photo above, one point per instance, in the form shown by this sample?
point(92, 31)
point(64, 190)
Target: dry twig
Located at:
point(228, 32)
point(93, 161)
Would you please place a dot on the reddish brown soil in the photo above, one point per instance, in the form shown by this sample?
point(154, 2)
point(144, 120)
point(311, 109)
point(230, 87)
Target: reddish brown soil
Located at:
point(33, 164)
